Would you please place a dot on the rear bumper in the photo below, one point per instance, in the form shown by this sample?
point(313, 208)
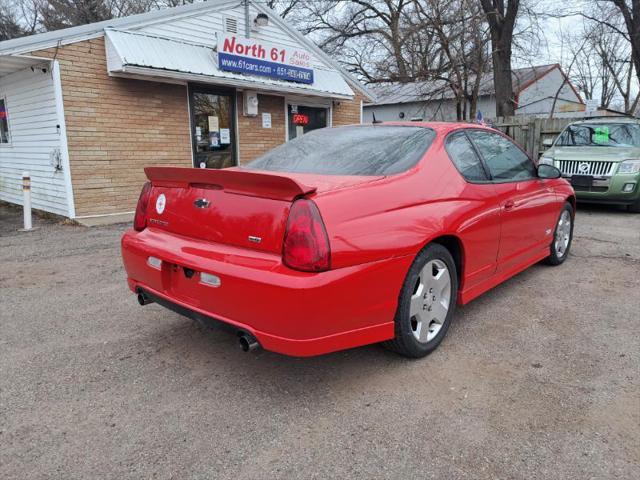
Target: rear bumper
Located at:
point(289, 312)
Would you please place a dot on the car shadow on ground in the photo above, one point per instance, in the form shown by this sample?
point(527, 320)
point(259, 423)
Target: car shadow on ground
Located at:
point(203, 350)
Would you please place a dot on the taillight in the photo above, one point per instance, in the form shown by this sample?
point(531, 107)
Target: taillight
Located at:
point(140, 219)
point(306, 245)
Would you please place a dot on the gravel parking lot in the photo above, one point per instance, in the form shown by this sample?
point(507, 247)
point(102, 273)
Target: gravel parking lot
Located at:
point(539, 378)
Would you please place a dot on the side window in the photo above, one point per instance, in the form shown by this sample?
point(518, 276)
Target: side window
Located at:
point(504, 159)
point(4, 121)
point(464, 157)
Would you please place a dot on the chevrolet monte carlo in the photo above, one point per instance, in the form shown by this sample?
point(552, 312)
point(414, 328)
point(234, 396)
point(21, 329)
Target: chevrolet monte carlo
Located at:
point(348, 236)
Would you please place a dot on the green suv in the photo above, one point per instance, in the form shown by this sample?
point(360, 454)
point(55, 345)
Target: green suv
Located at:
point(601, 159)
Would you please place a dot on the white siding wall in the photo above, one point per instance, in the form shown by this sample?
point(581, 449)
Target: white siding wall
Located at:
point(545, 87)
point(201, 27)
point(33, 120)
point(434, 110)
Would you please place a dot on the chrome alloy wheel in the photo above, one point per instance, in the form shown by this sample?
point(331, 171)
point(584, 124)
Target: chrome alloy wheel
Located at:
point(430, 300)
point(563, 234)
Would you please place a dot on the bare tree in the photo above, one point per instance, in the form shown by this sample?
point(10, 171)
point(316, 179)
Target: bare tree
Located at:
point(284, 7)
point(441, 42)
point(381, 28)
point(18, 18)
point(602, 59)
point(9, 24)
point(57, 14)
point(502, 20)
point(630, 10)
point(462, 39)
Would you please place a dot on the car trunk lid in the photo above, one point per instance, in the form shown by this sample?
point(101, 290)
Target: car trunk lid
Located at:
point(231, 206)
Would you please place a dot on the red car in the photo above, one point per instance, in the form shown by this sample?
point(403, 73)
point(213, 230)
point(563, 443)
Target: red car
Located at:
point(348, 236)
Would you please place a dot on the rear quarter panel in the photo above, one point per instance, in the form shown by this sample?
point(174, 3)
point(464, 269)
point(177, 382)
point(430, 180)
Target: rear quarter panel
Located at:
point(397, 216)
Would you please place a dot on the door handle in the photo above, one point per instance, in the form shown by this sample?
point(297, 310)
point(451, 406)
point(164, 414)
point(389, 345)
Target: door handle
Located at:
point(509, 204)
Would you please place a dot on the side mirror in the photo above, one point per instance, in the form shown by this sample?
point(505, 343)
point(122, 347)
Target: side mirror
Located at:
point(548, 171)
point(547, 142)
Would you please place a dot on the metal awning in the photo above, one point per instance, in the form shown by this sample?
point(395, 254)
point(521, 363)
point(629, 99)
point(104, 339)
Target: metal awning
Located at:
point(137, 54)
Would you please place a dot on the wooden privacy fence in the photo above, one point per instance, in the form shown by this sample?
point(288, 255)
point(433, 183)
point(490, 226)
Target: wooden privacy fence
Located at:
point(530, 132)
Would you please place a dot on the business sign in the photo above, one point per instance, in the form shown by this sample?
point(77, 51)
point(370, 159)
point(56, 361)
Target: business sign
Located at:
point(591, 106)
point(255, 57)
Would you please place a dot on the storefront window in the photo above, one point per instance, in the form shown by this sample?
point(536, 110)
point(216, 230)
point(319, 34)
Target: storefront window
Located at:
point(213, 132)
point(4, 121)
point(305, 119)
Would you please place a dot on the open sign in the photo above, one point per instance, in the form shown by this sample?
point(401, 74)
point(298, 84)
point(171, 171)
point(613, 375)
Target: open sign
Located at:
point(300, 119)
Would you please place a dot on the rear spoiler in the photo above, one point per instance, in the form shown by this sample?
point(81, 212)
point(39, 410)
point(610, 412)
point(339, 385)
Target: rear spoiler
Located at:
point(240, 182)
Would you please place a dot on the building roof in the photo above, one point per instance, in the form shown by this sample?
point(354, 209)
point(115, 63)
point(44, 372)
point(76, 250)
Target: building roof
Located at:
point(394, 92)
point(66, 36)
point(11, 49)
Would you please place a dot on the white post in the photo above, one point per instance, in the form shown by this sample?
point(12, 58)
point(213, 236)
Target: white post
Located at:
point(26, 206)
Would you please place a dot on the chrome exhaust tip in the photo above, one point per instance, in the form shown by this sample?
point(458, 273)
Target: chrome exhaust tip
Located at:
point(143, 299)
point(248, 342)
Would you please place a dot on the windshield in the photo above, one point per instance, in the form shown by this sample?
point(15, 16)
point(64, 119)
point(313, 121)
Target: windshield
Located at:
point(356, 150)
point(600, 135)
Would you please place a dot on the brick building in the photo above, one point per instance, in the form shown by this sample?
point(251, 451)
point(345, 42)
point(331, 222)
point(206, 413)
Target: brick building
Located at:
point(85, 109)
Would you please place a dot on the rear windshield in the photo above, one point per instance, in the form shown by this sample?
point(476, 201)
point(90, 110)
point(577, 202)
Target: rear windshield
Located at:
point(355, 150)
point(604, 135)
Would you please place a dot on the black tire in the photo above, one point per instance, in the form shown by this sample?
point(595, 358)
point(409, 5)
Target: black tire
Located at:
point(634, 207)
point(405, 342)
point(556, 258)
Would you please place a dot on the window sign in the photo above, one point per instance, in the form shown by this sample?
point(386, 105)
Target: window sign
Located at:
point(601, 135)
point(4, 122)
point(266, 120)
point(214, 124)
point(225, 136)
point(256, 57)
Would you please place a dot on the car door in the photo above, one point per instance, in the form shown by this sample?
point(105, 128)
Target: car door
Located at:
point(528, 204)
point(480, 229)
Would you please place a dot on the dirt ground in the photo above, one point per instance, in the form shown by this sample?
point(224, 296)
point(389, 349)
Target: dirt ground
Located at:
point(539, 378)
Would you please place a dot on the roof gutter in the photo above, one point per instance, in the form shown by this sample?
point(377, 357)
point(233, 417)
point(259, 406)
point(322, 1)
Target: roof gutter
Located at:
point(129, 70)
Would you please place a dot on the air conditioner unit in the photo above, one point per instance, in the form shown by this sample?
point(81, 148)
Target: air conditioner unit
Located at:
point(250, 104)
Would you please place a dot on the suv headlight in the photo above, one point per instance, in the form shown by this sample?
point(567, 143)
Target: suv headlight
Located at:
point(629, 166)
point(545, 161)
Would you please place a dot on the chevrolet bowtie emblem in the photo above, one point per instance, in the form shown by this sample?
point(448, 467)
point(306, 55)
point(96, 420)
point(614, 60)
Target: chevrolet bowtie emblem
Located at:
point(201, 203)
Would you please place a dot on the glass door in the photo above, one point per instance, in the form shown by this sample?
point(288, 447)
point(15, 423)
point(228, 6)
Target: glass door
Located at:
point(304, 119)
point(212, 120)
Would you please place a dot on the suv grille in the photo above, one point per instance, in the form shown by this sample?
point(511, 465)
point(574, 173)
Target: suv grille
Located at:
point(580, 167)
